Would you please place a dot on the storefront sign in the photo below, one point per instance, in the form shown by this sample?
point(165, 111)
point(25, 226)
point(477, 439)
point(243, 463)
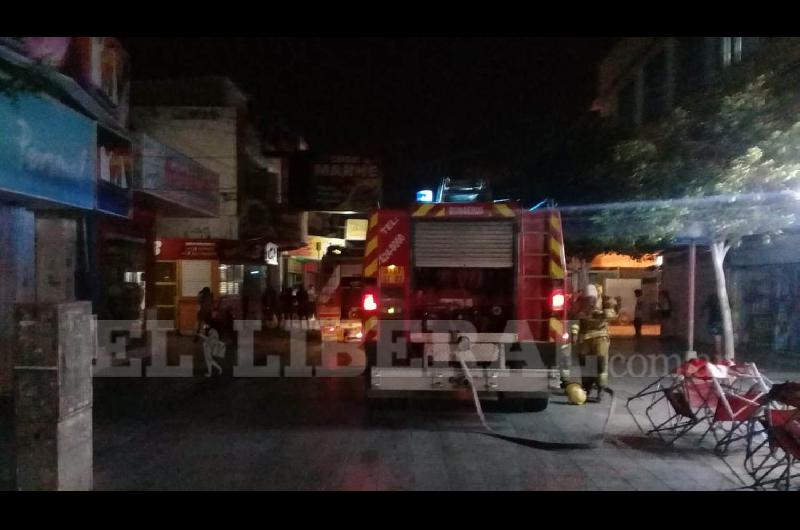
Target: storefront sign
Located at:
point(176, 248)
point(355, 229)
point(102, 66)
point(164, 173)
point(336, 183)
point(347, 183)
point(47, 151)
point(271, 254)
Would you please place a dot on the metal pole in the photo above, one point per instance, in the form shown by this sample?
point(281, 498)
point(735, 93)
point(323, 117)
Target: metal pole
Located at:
point(690, 353)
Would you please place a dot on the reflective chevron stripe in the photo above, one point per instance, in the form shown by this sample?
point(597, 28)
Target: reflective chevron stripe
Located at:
point(372, 246)
point(370, 251)
point(423, 210)
point(556, 329)
point(556, 248)
point(371, 270)
point(504, 210)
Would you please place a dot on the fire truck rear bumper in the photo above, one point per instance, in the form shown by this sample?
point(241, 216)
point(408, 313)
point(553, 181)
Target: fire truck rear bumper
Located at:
point(450, 378)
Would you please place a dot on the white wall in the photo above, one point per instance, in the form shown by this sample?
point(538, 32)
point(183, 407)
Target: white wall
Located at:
point(624, 288)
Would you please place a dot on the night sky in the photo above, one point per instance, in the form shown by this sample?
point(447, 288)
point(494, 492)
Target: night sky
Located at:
point(407, 99)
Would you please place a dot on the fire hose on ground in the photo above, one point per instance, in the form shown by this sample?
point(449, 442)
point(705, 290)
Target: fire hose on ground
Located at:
point(531, 442)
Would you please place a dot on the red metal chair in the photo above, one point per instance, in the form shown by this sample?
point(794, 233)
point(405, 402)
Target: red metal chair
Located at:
point(684, 405)
point(772, 455)
point(732, 415)
point(724, 395)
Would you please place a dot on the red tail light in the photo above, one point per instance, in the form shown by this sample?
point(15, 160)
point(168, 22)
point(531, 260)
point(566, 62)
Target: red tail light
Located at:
point(369, 303)
point(557, 300)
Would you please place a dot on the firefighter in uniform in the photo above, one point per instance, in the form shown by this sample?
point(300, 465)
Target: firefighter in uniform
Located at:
point(594, 339)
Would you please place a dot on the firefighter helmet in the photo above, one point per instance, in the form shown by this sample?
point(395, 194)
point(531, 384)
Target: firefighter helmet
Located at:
point(576, 394)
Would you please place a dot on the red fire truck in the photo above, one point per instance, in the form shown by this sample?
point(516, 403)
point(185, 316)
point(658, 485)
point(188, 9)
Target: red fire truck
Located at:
point(483, 281)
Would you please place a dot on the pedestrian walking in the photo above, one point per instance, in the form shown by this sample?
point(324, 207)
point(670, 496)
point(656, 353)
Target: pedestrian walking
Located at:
point(205, 314)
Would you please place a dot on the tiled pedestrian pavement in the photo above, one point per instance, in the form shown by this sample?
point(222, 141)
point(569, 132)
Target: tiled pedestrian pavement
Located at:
point(319, 434)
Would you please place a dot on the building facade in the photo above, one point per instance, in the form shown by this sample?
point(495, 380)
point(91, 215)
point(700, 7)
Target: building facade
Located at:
point(71, 233)
point(643, 78)
point(208, 120)
point(78, 217)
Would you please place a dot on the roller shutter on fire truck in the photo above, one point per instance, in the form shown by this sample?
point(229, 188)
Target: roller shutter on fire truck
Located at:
point(485, 244)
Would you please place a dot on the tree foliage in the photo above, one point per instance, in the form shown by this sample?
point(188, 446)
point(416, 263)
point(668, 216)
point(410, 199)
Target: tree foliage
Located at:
point(721, 166)
point(739, 143)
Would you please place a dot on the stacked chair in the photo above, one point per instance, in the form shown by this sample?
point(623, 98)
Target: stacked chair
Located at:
point(772, 456)
point(736, 404)
point(700, 396)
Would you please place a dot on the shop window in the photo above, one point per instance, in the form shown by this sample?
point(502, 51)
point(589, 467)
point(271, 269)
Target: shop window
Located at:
point(195, 276)
point(231, 278)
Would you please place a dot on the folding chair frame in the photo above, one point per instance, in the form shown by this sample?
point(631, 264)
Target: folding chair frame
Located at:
point(680, 406)
point(762, 470)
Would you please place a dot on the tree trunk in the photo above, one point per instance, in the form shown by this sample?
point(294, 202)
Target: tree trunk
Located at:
point(718, 251)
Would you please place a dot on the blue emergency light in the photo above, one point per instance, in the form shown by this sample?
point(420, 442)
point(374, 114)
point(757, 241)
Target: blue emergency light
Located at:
point(425, 196)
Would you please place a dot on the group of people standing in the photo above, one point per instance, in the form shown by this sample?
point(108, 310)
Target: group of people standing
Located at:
point(290, 304)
